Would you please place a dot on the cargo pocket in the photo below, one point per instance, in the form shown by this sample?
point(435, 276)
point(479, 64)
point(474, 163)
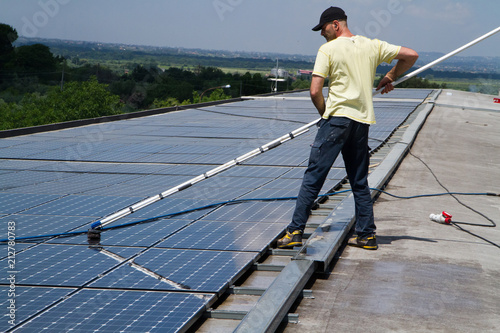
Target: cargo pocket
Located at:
point(321, 137)
point(338, 130)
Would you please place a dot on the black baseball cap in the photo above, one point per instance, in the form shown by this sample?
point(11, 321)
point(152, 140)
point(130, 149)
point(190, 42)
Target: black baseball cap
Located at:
point(329, 15)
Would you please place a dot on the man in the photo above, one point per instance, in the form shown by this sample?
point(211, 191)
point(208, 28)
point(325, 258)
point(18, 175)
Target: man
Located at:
point(349, 62)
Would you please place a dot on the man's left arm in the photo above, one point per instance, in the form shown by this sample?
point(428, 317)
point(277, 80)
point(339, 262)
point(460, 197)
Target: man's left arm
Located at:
point(406, 58)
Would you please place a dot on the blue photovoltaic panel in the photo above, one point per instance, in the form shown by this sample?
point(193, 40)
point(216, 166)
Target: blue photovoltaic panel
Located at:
point(163, 181)
point(84, 179)
point(214, 194)
point(144, 148)
point(83, 205)
point(188, 169)
point(262, 193)
point(44, 145)
point(280, 160)
point(275, 211)
point(201, 149)
point(4, 248)
point(257, 171)
point(117, 156)
point(60, 187)
point(127, 190)
point(56, 154)
point(216, 159)
point(22, 178)
point(8, 142)
point(28, 302)
point(228, 236)
point(69, 167)
point(169, 158)
point(207, 271)
point(119, 311)
point(298, 173)
point(32, 225)
point(236, 182)
point(102, 178)
point(294, 183)
point(62, 265)
point(15, 152)
point(136, 169)
point(170, 205)
point(144, 234)
point(11, 203)
point(103, 146)
point(300, 147)
point(407, 93)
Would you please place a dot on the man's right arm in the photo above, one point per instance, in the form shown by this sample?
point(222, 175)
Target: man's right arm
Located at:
point(316, 92)
point(406, 59)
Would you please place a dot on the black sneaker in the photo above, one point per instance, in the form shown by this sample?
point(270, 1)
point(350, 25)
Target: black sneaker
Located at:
point(290, 240)
point(368, 243)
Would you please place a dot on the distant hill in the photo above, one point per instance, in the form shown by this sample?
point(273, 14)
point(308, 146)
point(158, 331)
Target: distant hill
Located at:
point(170, 56)
point(484, 65)
point(60, 43)
point(248, 60)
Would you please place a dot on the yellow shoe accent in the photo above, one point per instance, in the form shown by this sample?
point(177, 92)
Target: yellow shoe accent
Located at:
point(368, 243)
point(290, 240)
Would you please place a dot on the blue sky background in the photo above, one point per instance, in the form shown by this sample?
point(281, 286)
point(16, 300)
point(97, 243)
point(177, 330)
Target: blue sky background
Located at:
point(282, 26)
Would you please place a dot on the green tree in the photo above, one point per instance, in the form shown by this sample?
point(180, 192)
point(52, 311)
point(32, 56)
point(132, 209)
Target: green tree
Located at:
point(301, 84)
point(253, 85)
point(122, 88)
point(36, 57)
point(210, 73)
point(142, 74)
point(8, 112)
point(216, 95)
point(78, 100)
point(165, 103)
point(81, 100)
point(196, 97)
point(8, 35)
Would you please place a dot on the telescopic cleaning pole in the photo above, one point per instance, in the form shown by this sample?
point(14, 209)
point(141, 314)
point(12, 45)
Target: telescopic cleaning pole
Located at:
point(443, 58)
point(129, 210)
point(146, 202)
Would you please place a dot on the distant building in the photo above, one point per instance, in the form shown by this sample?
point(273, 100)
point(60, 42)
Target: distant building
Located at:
point(304, 74)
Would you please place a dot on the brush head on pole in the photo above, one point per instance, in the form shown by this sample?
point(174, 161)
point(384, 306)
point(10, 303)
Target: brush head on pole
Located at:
point(94, 236)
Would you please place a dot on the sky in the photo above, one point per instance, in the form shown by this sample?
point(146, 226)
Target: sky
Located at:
point(280, 26)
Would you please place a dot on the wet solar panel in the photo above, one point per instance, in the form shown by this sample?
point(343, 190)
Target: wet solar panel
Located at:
point(119, 311)
point(61, 265)
point(158, 275)
point(227, 236)
point(187, 270)
point(29, 301)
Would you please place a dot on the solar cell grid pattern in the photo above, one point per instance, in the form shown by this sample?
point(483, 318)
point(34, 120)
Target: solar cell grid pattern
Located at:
point(160, 272)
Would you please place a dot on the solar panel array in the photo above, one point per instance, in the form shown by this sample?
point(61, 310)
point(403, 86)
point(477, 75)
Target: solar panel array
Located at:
point(158, 275)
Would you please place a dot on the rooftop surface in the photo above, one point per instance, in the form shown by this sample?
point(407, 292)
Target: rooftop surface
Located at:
point(425, 276)
point(164, 273)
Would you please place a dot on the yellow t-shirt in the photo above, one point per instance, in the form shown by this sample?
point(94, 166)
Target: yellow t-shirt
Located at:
point(350, 64)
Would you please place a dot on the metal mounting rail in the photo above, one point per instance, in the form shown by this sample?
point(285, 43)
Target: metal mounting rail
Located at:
point(274, 304)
